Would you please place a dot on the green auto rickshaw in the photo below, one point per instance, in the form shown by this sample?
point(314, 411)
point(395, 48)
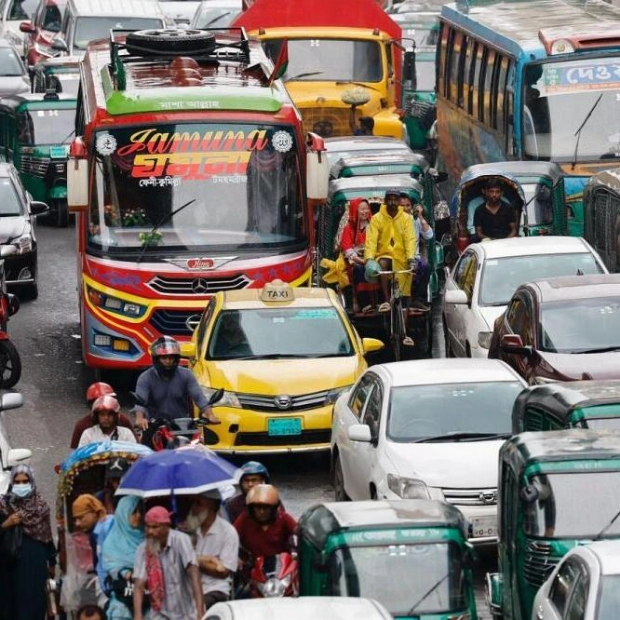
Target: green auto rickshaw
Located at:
point(410, 555)
point(356, 165)
point(560, 405)
point(35, 131)
point(557, 490)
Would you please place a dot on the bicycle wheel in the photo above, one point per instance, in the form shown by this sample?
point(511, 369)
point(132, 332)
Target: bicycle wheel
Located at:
point(397, 329)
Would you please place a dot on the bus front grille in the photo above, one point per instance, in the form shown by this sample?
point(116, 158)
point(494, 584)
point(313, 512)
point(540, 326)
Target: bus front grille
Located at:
point(197, 286)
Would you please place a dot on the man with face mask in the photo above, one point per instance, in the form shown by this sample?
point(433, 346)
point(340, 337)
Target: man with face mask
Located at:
point(168, 388)
point(494, 219)
point(217, 547)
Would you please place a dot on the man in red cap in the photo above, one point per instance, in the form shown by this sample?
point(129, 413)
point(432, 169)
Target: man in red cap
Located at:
point(166, 566)
point(106, 410)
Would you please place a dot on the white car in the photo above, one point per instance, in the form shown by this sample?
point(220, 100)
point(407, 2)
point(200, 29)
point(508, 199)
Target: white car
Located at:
point(303, 608)
point(585, 585)
point(9, 457)
point(487, 274)
point(426, 429)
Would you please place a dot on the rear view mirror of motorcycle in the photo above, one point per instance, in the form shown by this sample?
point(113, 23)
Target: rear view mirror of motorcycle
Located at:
point(216, 396)
point(11, 400)
point(138, 399)
point(7, 250)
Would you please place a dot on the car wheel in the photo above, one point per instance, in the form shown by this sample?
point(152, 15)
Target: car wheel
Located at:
point(339, 493)
point(32, 292)
point(10, 364)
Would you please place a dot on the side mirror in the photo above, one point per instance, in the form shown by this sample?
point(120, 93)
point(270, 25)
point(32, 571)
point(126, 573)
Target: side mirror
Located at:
point(456, 296)
point(188, 350)
point(38, 208)
point(529, 493)
point(11, 400)
point(137, 399)
point(26, 27)
point(360, 432)
point(371, 344)
point(317, 168)
point(512, 343)
point(77, 177)
point(410, 78)
point(59, 45)
point(17, 456)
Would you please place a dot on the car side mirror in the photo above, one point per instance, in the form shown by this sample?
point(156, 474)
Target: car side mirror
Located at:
point(59, 45)
point(513, 343)
point(38, 208)
point(360, 432)
point(188, 350)
point(17, 456)
point(11, 400)
point(26, 27)
point(456, 296)
point(371, 344)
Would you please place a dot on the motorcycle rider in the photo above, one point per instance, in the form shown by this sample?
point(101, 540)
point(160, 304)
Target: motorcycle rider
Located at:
point(95, 391)
point(265, 529)
point(253, 473)
point(167, 388)
point(105, 413)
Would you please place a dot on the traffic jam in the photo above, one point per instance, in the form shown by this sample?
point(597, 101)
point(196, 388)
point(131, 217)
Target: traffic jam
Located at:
point(345, 284)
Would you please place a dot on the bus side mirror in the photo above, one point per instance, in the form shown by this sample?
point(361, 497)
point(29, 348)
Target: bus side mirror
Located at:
point(77, 177)
point(317, 168)
point(410, 78)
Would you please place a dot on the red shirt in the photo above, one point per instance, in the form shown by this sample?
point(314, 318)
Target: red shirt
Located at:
point(271, 541)
point(87, 421)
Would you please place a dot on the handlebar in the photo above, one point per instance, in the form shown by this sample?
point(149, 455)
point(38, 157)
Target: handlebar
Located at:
point(392, 272)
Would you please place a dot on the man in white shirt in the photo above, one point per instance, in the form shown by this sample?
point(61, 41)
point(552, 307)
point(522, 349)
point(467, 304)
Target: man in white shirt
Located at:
point(105, 427)
point(217, 547)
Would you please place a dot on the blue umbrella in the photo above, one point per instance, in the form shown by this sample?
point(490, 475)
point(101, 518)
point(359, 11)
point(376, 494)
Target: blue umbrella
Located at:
point(184, 471)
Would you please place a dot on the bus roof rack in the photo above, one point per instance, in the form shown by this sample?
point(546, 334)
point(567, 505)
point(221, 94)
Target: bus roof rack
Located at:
point(198, 47)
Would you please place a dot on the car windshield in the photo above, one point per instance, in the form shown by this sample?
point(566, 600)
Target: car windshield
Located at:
point(420, 411)
point(20, 10)
point(221, 187)
point(391, 575)
point(10, 64)
point(590, 89)
point(279, 333)
point(332, 60)
point(603, 424)
point(214, 17)
point(608, 598)
point(45, 126)
point(10, 204)
point(500, 277)
point(580, 325)
point(574, 505)
point(88, 29)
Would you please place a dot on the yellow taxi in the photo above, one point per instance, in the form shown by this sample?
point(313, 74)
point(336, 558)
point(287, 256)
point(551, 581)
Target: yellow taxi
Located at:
point(282, 355)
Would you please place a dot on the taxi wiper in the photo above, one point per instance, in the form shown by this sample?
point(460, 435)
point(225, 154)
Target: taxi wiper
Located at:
point(583, 124)
point(461, 436)
point(427, 594)
point(161, 221)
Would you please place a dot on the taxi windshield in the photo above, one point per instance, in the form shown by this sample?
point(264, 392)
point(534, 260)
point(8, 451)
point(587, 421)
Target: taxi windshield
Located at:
point(385, 573)
point(574, 505)
point(209, 187)
point(272, 333)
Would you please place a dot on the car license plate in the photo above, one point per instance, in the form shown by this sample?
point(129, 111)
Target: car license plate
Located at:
point(284, 426)
point(58, 152)
point(484, 527)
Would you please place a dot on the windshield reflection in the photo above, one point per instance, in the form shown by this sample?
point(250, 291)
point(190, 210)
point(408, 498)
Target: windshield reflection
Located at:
point(501, 276)
point(244, 194)
point(580, 325)
point(552, 88)
point(279, 333)
point(399, 575)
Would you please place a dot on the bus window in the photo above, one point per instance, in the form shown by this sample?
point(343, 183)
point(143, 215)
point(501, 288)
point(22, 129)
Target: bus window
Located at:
point(461, 74)
point(502, 81)
point(495, 123)
point(441, 61)
point(453, 60)
point(475, 79)
point(481, 68)
point(467, 69)
point(487, 115)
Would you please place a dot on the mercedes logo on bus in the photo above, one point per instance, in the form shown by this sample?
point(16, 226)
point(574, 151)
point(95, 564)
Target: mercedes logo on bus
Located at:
point(200, 286)
point(283, 402)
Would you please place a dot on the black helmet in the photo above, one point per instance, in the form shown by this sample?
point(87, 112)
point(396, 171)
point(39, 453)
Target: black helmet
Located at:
point(165, 346)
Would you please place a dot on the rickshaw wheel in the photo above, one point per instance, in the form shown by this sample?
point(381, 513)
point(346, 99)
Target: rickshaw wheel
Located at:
point(10, 364)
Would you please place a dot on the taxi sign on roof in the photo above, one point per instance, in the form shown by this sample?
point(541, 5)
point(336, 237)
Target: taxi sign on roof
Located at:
point(277, 291)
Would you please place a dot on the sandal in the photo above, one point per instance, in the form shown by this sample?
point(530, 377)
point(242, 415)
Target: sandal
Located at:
point(408, 342)
point(384, 307)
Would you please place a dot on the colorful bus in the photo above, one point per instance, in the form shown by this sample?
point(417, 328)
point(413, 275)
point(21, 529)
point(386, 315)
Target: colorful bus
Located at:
point(189, 174)
point(530, 80)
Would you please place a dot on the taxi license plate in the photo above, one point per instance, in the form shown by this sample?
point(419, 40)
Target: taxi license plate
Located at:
point(284, 426)
point(484, 527)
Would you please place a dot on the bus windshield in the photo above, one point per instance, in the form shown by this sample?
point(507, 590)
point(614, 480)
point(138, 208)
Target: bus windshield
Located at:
point(329, 60)
point(574, 505)
point(385, 573)
point(45, 126)
point(559, 97)
point(197, 187)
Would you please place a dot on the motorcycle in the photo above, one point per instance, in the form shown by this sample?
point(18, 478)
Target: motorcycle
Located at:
point(10, 362)
point(165, 434)
point(269, 576)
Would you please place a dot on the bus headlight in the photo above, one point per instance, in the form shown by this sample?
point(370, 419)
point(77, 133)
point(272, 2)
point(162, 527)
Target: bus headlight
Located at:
point(115, 304)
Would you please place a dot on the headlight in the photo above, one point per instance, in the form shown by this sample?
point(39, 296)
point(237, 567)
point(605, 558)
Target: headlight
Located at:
point(114, 304)
point(408, 488)
point(332, 395)
point(23, 244)
point(229, 399)
point(274, 588)
point(484, 339)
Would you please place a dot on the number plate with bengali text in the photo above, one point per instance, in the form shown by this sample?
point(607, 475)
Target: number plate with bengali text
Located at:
point(484, 527)
point(284, 426)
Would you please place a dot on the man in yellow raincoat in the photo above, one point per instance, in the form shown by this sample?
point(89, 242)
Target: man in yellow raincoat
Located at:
point(390, 240)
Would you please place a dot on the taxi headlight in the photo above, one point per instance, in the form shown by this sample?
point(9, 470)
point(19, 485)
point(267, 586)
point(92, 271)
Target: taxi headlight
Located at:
point(332, 395)
point(408, 488)
point(229, 399)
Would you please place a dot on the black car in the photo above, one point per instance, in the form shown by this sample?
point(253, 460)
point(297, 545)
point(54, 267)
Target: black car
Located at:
point(17, 213)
